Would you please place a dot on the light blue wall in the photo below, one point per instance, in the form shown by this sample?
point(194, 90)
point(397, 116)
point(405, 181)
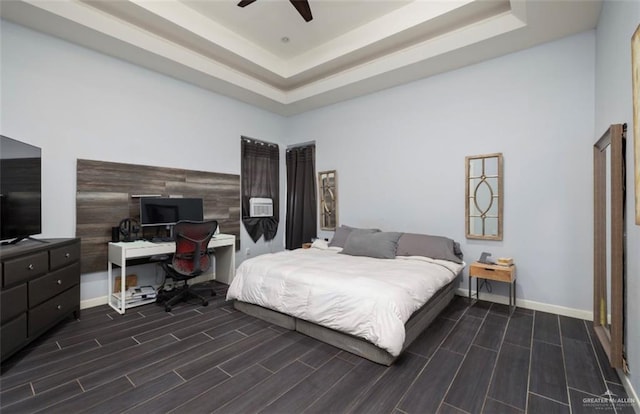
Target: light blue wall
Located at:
point(614, 104)
point(400, 156)
point(76, 103)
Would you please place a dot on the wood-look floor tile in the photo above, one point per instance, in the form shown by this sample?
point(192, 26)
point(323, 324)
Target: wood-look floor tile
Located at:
point(609, 373)
point(385, 394)
point(620, 398)
point(491, 332)
point(573, 328)
point(268, 390)
point(519, 329)
point(57, 354)
point(546, 328)
point(285, 356)
point(429, 388)
point(223, 327)
point(492, 406)
point(471, 383)
point(182, 393)
point(182, 326)
point(43, 400)
point(449, 409)
point(260, 352)
point(221, 394)
point(583, 372)
point(428, 342)
point(135, 396)
point(157, 368)
point(125, 366)
point(301, 396)
point(456, 308)
point(15, 394)
point(539, 404)
point(93, 366)
point(547, 376)
point(319, 355)
point(479, 309)
point(348, 390)
point(511, 376)
point(84, 402)
point(10, 380)
point(194, 368)
point(584, 403)
point(462, 335)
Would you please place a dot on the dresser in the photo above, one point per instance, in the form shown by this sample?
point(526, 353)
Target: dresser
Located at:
point(40, 288)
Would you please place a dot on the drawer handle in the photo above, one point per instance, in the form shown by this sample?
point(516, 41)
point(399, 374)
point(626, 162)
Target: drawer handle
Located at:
point(59, 281)
point(490, 270)
point(67, 255)
point(31, 266)
point(59, 307)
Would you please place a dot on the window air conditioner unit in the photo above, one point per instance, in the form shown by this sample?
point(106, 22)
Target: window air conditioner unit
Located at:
point(260, 207)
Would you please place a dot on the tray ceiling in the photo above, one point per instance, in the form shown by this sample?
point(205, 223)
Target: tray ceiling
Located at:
point(265, 54)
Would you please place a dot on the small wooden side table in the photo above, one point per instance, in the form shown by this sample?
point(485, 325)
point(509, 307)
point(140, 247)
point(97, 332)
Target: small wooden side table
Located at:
point(494, 272)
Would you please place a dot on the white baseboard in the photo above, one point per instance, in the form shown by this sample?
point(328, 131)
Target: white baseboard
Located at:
point(93, 302)
point(631, 393)
point(530, 304)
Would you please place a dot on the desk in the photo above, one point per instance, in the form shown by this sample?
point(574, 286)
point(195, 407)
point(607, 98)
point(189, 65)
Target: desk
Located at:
point(119, 253)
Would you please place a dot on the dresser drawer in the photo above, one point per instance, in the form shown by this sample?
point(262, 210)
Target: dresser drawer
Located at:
point(13, 334)
point(26, 267)
point(48, 286)
point(13, 302)
point(43, 316)
point(62, 256)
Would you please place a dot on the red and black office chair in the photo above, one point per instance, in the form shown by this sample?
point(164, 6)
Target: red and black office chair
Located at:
point(191, 258)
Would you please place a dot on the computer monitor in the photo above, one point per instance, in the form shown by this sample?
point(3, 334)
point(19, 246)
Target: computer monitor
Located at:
point(160, 211)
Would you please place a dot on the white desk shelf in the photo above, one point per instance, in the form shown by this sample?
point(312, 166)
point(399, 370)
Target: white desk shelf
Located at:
point(119, 253)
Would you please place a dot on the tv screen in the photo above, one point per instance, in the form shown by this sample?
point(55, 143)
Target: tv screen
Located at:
point(159, 211)
point(20, 189)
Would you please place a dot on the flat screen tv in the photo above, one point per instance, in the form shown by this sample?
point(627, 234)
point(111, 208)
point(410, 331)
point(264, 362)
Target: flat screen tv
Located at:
point(161, 211)
point(20, 190)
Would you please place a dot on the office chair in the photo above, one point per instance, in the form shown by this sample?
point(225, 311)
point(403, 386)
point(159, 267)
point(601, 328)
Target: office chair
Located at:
point(190, 259)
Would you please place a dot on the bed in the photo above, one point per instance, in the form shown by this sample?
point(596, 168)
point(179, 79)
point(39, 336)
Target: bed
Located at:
point(372, 302)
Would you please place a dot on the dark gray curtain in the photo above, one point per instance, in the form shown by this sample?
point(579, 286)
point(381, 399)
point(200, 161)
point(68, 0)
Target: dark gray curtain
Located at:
point(301, 196)
point(260, 178)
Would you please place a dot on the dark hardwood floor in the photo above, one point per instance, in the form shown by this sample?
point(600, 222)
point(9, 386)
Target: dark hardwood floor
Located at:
point(215, 359)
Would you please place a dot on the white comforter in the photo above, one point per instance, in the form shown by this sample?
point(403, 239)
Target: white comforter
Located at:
point(366, 297)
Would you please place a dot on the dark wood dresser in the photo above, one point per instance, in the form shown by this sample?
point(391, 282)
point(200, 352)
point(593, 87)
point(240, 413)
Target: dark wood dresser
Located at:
point(40, 288)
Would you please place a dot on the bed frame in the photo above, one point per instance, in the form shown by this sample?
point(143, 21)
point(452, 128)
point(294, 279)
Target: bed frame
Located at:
point(414, 326)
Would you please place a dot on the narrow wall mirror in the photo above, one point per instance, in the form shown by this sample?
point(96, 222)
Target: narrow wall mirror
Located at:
point(608, 255)
point(483, 196)
point(327, 184)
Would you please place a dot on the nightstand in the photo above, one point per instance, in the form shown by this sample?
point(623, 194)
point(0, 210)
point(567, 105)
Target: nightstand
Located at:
point(494, 272)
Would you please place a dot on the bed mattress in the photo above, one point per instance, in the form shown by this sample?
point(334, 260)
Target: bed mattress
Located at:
point(365, 297)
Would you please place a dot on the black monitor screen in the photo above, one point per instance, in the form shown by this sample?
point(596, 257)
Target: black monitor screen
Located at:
point(158, 211)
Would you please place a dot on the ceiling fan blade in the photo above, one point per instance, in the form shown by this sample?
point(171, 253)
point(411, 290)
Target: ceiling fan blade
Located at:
point(303, 8)
point(244, 3)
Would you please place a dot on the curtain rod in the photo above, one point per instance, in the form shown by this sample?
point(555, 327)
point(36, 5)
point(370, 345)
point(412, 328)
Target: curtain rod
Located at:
point(302, 144)
point(257, 141)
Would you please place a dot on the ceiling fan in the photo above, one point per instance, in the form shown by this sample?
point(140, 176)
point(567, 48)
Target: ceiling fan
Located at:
point(301, 5)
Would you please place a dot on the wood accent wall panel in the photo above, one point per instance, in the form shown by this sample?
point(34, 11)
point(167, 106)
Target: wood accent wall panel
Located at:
point(104, 197)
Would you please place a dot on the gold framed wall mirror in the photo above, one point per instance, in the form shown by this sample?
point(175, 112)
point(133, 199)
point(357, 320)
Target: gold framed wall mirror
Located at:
point(328, 187)
point(608, 244)
point(484, 196)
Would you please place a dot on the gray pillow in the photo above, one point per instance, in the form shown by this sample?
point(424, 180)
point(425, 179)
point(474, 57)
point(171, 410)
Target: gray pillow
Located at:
point(435, 247)
point(343, 232)
point(381, 245)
